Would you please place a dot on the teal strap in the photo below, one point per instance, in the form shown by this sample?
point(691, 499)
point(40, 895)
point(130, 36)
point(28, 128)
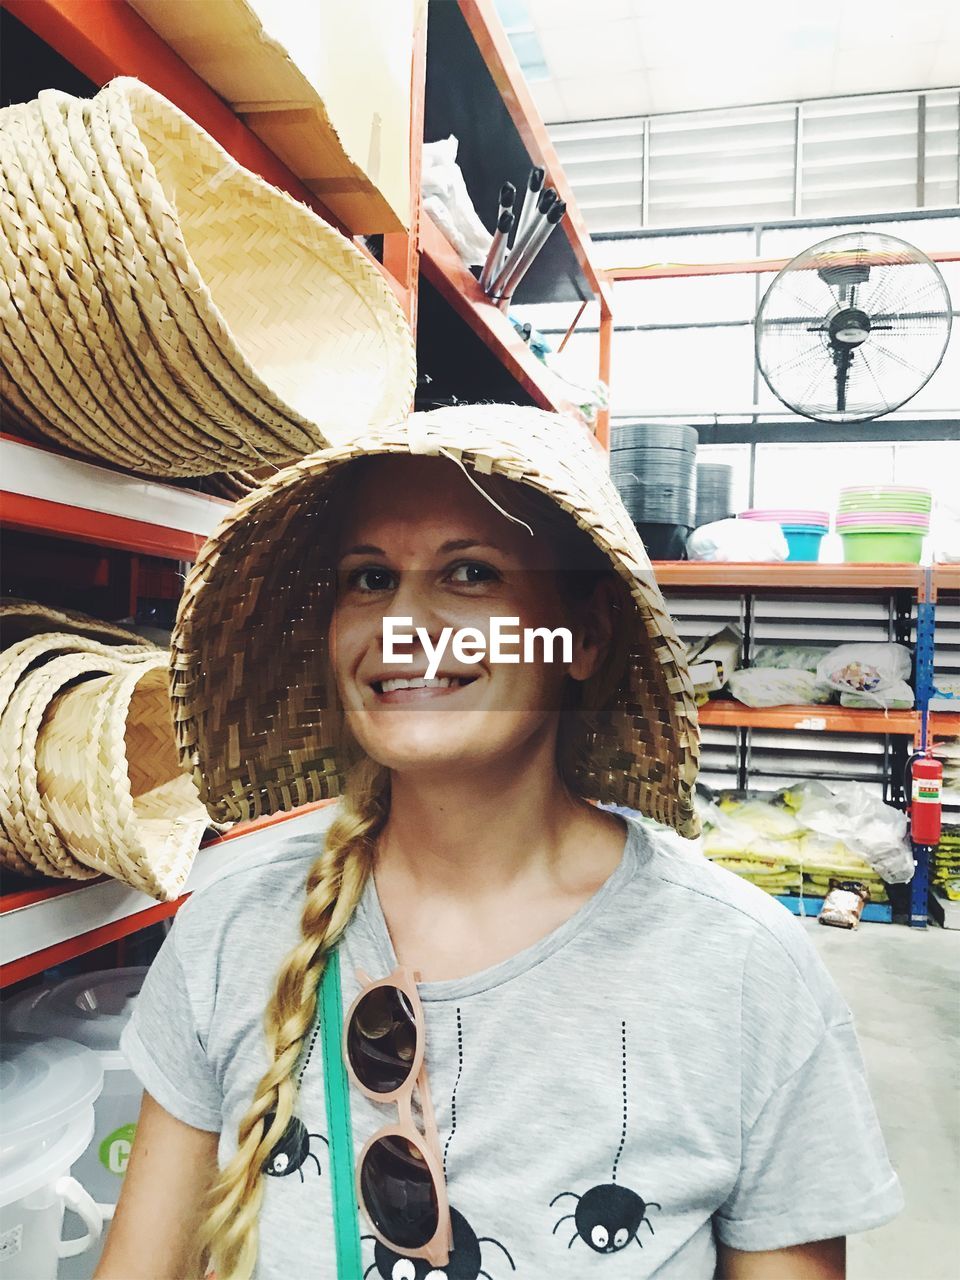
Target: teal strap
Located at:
point(346, 1223)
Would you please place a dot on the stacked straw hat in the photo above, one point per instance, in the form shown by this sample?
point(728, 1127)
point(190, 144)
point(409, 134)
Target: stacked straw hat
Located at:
point(90, 783)
point(166, 309)
point(255, 718)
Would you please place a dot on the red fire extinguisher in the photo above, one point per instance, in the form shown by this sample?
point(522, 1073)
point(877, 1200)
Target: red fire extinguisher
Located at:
point(925, 799)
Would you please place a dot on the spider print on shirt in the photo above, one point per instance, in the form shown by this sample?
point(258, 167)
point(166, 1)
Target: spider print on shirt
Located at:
point(608, 1217)
point(466, 1260)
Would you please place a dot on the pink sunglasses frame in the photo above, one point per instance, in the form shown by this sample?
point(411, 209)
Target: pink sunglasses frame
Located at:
point(437, 1250)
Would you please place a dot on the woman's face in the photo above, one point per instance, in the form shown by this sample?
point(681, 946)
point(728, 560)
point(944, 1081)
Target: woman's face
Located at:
point(420, 543)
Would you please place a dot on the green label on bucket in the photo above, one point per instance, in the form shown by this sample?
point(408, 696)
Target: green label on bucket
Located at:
point(115, 1149)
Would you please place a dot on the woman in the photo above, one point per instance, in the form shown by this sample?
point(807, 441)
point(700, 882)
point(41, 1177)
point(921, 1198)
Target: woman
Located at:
point(638, 1064)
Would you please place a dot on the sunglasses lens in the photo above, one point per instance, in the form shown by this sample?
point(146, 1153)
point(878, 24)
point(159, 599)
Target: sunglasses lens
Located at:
point(399, 1193)
point(382, 1040)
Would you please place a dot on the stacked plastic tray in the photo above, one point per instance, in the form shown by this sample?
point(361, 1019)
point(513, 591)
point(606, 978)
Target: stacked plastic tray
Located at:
point(654, 468)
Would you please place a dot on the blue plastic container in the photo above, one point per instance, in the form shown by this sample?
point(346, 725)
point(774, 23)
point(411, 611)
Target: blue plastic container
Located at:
point(803, 541)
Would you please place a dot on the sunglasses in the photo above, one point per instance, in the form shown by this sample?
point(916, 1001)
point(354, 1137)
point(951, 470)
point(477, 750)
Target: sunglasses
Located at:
point(400, 1182)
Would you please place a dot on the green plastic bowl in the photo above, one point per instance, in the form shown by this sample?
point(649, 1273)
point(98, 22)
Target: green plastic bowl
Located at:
point(882, 548)
point(883, 511)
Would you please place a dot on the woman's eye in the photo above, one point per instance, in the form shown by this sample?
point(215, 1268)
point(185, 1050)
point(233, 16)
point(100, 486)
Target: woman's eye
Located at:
point(372, 578)
point(472, 573)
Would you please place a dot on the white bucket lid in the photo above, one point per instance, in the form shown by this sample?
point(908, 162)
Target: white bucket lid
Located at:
point(91, 1009)
point(47, 1092)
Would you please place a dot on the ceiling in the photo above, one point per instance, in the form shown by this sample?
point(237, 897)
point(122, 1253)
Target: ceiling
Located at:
point(597, 59)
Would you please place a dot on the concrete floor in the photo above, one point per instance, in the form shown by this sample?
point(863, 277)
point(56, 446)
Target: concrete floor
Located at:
point(903, 986)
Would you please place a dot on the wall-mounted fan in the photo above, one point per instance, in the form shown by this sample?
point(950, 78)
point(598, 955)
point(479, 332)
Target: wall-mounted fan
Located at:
point(853, 327)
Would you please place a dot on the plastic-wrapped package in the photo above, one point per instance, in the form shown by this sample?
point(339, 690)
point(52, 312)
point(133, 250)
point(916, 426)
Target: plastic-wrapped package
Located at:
point(896, 697)
point(847, 811)
point(789, 656)
point(843, 905)
point(446, 199)
point(776, 687)
point(865, 668)
point(738, 541)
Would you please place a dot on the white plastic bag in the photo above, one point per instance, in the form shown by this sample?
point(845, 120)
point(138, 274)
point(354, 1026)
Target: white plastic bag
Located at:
point(865, 668)
point(446, 199)
point(876, 831)
point(738, 541)
point(799, 657)
point(776, 687)
point(895, 697)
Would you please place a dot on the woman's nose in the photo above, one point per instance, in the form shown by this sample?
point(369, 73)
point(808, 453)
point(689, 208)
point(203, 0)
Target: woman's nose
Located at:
point(415, 598)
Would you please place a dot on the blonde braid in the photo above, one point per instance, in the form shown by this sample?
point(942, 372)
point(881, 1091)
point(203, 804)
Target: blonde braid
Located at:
point(334, 887)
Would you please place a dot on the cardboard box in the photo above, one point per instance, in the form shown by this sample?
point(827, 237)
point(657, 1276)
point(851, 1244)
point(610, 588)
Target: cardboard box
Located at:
point(326, 86)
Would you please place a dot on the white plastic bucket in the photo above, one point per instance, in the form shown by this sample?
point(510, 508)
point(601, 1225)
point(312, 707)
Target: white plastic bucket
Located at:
point(47, 1092)
point(92, 1010)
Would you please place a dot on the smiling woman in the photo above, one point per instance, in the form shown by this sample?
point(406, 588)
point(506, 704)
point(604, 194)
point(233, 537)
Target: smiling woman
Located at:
point(573, 993)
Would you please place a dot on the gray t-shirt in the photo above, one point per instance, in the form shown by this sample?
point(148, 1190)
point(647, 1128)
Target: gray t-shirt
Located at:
point(670, 1066)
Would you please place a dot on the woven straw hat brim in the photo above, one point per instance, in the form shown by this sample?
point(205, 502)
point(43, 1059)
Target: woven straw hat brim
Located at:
point(48, 341)
point(154, 809)
point(20, 657)
point(108, 771)
point(167, 428)
point(250, 702)
point(271, 272)
point(155, 226)
point(20, 619)
point(59, 127)
point(48, 403)
point(69, 295)
point(218, 422)
point(18, 660)
point(59, 240)
point(22, 811)
point(210, 375)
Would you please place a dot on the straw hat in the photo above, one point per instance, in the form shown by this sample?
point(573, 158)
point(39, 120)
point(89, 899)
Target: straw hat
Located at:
point(250, 702)
point(20, 619)
point(27, 844)
point(32, 672)
point(165, 308)
point(112, 787)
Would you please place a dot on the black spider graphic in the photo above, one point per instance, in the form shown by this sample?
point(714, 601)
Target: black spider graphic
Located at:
point(608, 1217)
point(292, 1152)
point(465, 1258)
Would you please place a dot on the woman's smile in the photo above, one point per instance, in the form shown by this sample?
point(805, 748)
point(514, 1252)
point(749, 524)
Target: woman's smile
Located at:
point(398, 690)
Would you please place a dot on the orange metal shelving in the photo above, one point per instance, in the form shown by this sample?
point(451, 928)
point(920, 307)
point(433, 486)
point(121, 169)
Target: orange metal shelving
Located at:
point(445, 270)
point(740, 577)
point(53, 915)
point(720, 713)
